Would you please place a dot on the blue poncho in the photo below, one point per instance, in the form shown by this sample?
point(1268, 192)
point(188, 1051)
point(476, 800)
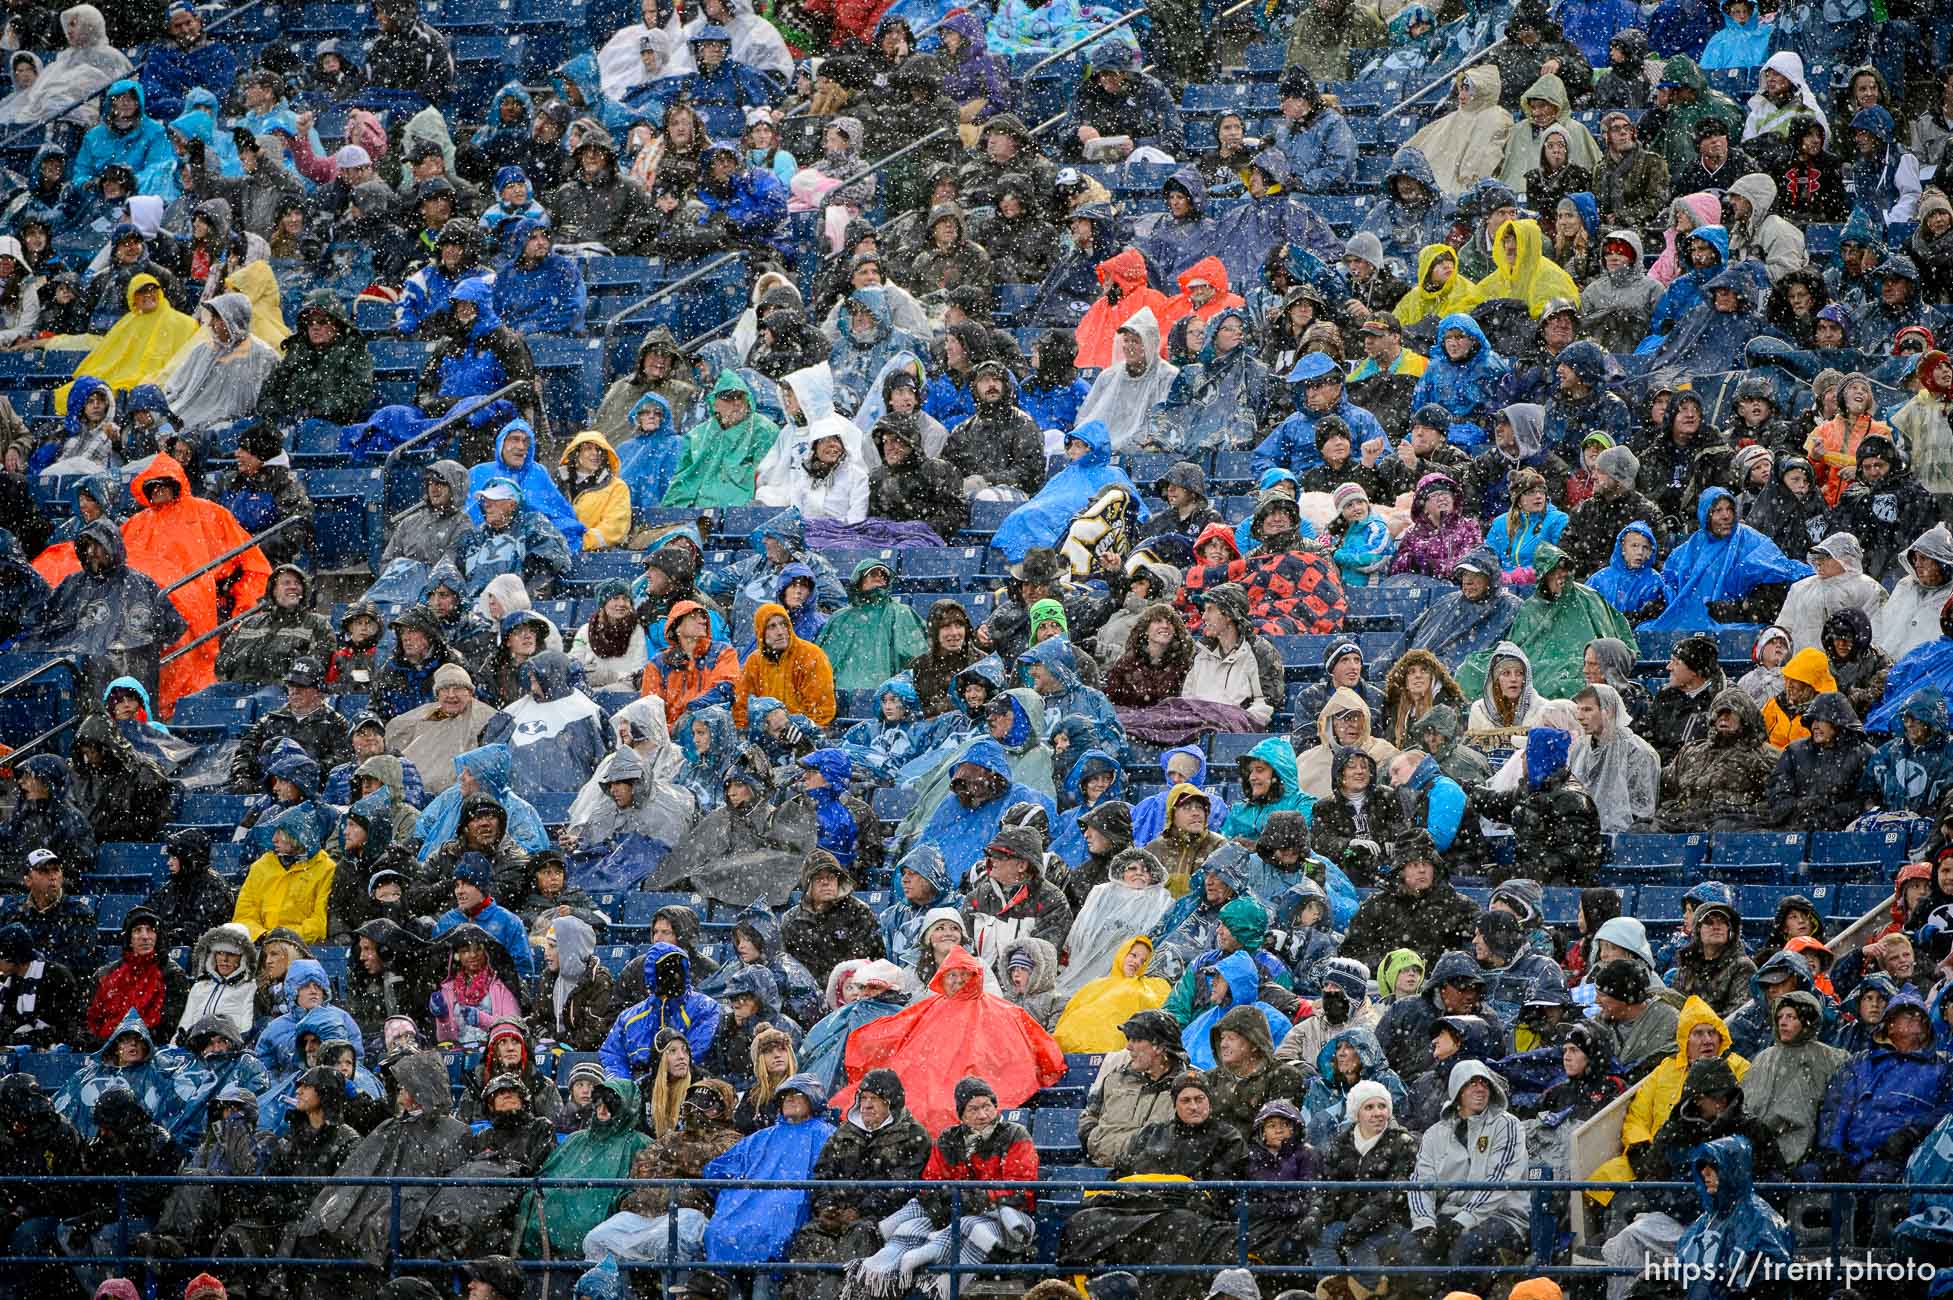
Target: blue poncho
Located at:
point(492, 768)
point(646, 460)
point(751, 1226)
point(1468, 388)
point(1928, 665)
point(704, 773)
point(1067, 837)
point(1042, 520)
point(1244, 990)
point(1629, 589)
point(962, 833)
point(823, 1052)
point(1706, 568)
point(539, 491)
point(1149, 814)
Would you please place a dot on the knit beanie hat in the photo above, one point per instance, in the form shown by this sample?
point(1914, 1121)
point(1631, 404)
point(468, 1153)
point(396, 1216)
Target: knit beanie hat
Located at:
point(1698, 654)
point(1619, 464)
point(1347, 493)
point(1235, 1284)
point(968, 1089)
point(1020, 959)
point(1622, 979)
point(203, 1284)
point(1366, 1090)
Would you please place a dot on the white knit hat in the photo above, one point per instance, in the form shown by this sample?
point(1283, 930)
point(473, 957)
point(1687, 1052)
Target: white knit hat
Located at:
point(1367, 1090)
point(353, 155)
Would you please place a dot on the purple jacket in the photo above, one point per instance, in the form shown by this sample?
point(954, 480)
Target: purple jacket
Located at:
point(1435, 552)
point(975, 73)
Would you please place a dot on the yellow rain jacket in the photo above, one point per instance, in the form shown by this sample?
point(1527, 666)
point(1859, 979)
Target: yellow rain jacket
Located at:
point(1649, 1107)
point(1090, 1021)
point(1531, 277)
point(1458, 293)
point(274, 895)
point(1810, 667)
point(137, 347)
point(603, 510)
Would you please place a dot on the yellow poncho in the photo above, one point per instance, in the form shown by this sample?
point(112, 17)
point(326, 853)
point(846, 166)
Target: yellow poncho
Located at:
point(136, 347)
point(1090, 1021)
point(1531, 276)
point(1649, 1107)
point(1457, 294)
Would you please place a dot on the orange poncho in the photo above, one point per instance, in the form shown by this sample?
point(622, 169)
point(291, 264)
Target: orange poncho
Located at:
point(167, 542)
point(1097, 333)
point(1208, 271)
point(941, 1039)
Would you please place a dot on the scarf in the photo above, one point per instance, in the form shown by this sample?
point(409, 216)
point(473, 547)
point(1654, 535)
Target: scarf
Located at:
point(1364, 1144)
point(472, 990)
point(132, 984)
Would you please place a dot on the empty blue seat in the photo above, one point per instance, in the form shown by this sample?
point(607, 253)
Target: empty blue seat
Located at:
point(1229, 747)
point(987, 516)
point(348, 525)
point(111, 908)
point(1055, 1133)
point(1690, 849)
point(211, 809)
point(52, 1068)
point(1856, 900)
point(553, 806)
point(1562, 904)
point(938, 566)
point(1757, 848)
point(1659, 905)
point(1887, 846)
point(892, 803)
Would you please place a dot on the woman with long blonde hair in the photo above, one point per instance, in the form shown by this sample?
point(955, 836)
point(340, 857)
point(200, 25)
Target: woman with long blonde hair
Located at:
point(774, 1062)
point(672, 1079)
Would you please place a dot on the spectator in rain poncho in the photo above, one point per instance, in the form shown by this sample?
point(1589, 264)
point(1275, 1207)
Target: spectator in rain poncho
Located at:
point(861, 992)
point(604, 815)
point(1468, 144)
point(1840, 583)
point(1095, 779)
point(1128, 904)
point(1346, 1058)
point(1092, 1019)
point(1726, 572)
point(1702, 254)
point(220, 378)
point(1052, 669)
point(1234, 981)
point(710, 742)
point(109, 612)
point(1132, 385)
point(1465, 377)
point(87, 65)
point(511, 541)
point(894, 736)
point(1715, 334)
point(1413, 214)
point(515, 460)
point(556, 734)
point(538, 290)
point(166, 1084)
point(557, 1220)
point(875, 636)
point(1632, 583)
point(1554, 628)
point(980, 788)
point(485, 770)
point(1218, 399)
point(723, 450)
point(755, 1225)
point(1043, 520)
point(756, 42)
point(1738, 1229)
point(821, 462)
point(1473, 618)
point(1620, 770)
point(869, 340)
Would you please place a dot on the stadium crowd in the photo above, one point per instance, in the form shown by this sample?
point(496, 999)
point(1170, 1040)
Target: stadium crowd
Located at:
point(1643, 430)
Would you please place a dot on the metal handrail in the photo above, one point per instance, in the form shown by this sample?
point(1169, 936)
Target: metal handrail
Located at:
point(1064, 52)
point(446, 421)
point(232, 554)
point(135, 73)
point(1451, 72)
point(32, 673)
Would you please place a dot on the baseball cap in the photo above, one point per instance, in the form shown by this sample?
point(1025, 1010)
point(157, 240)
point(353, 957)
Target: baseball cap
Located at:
point(305, 672)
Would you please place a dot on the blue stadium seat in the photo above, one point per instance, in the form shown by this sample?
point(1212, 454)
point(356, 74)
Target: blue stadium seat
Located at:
point(1055, 1134)
point(1659, 906)
point(1690, 849)
point(132, 860)
point(1855, 900)
point(206, 809)
point(986, 516)
point(553, 806)
point(930, 567)
point(52, 1068)
point(1228, 747)
point(1887, 847)
point(111, 908)
point(1758, 856)
point(892, 803)
point(348, 523)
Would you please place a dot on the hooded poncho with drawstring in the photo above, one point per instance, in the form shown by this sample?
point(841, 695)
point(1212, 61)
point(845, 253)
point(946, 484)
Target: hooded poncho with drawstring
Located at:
point(1120, 400)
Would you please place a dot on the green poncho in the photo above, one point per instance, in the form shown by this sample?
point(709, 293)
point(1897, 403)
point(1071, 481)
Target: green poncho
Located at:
point(604, 1150)
point(718, 463)
point(1554, 634)
point(874, 637)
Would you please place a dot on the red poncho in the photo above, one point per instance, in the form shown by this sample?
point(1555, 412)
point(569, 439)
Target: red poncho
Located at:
point(941, 1039)
point(132, 984)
